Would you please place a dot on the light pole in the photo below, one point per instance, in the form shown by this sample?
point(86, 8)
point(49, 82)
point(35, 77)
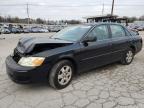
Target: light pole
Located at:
point(112, 8)
point(28, 13)
point(103, 9)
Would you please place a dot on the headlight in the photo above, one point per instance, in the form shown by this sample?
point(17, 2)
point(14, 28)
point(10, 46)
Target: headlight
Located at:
point(31, 61)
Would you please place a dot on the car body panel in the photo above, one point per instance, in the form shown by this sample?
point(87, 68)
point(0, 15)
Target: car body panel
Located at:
point(26, 45)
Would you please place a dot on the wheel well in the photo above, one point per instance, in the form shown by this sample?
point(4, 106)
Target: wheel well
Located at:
point(69, 59)
point(72, 61)
point(133, 48)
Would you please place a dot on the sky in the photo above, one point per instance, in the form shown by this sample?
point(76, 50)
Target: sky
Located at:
point(69, 9)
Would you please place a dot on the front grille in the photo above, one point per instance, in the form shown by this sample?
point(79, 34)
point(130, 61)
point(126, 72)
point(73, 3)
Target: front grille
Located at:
point(17, 56)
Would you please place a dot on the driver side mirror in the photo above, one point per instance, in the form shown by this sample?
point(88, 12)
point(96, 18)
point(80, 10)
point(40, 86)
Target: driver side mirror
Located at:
point(90, 39)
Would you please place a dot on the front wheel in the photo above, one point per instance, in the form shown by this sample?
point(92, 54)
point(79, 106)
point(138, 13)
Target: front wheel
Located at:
point(61, 74)
point(127, 57)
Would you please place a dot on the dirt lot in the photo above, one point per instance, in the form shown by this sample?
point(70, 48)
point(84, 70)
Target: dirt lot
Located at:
point(112, 86)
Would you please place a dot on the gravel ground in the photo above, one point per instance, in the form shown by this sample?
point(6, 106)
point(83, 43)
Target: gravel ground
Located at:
point(112, 86)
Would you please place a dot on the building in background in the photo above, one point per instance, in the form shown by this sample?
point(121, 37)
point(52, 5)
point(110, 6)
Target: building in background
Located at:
point(106, 18)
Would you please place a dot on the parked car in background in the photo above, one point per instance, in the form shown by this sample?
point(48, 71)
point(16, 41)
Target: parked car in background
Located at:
point(5, 30)
point(21, 30)
point(43, 30)
point(35, 30)
point(18, 28)
point(135, 31)
point(140, 28)
point(15, 30)
point(38, 30)
point(54, 29)
point(73, 50)
point(26, 30)
point(0, 30)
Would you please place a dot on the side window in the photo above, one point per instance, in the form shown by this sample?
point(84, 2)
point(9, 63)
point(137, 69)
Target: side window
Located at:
point(117, 31)
point(101, 32)
point(127, 33)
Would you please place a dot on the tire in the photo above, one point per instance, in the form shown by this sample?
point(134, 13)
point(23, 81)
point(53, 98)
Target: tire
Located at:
point(61, 74)
point(128, 57)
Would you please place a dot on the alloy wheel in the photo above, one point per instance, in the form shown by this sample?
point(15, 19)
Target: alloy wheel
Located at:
point(129, 56)
point(64, 75)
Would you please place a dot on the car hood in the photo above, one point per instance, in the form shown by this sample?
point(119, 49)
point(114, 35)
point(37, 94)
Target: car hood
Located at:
point(39, 44)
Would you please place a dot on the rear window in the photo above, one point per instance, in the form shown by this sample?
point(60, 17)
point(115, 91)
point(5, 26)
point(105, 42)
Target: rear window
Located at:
point(117, 31)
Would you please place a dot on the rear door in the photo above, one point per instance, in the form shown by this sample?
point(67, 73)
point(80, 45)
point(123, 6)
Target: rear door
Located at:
point(120, 41)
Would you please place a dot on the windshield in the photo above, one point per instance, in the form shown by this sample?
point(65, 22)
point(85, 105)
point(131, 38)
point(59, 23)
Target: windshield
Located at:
point(72, 33)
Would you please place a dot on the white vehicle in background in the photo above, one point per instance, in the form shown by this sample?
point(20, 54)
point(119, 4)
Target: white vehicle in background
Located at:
point(1, 33)
point(26, 30)
point(38, 30)
point(43, 30)
point(55, 28)
point(5, 30)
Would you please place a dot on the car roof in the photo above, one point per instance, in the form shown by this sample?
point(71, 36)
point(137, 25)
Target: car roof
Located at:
point(98, 23)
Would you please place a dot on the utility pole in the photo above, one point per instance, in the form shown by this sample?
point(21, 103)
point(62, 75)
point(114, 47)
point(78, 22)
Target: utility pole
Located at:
point(112, 8)
point(103, 9)
point(28, 13)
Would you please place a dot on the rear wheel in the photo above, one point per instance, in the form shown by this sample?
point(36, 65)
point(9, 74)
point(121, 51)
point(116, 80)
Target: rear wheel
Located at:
point(61, 74)
point(127, 57)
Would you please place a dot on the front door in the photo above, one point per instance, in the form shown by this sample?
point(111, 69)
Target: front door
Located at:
point(94, 54)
